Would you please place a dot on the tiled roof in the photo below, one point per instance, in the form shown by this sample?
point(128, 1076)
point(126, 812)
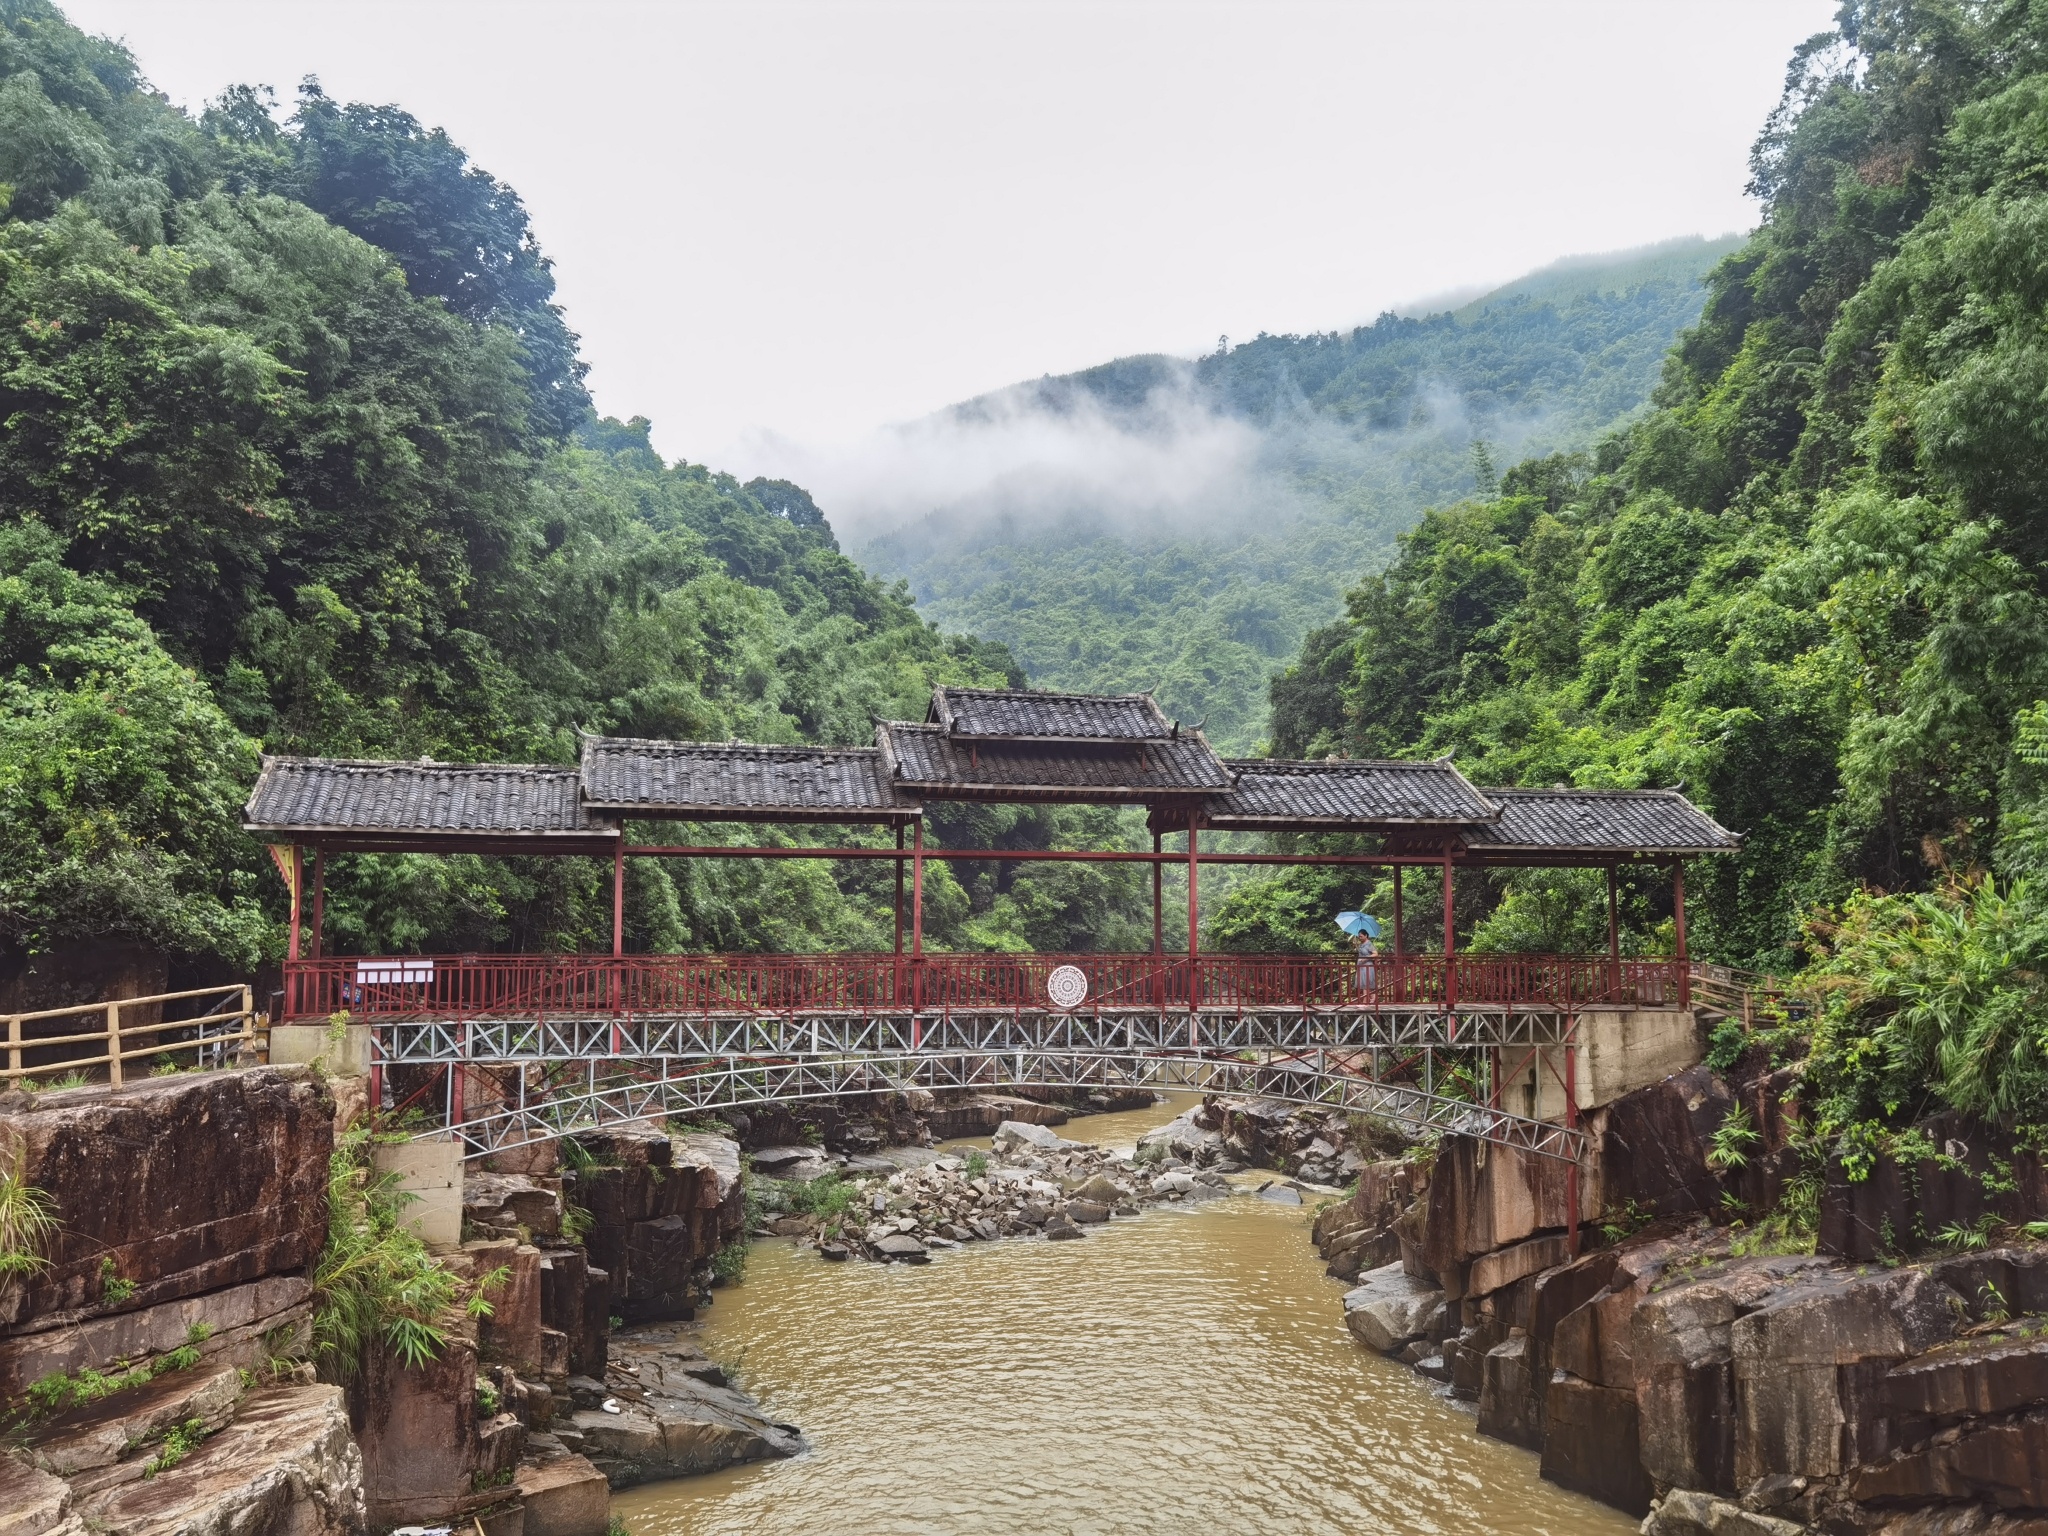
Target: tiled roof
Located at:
point(1015, 713)
point(1600, 820)
point(336, 795)
point(701, 779)
point(1273, 794)
point(928, 760)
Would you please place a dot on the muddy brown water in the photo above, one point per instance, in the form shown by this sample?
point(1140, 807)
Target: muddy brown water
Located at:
point(1187, 1371)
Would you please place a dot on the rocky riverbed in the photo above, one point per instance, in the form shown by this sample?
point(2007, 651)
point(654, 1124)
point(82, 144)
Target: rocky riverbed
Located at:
point(1032, 1183)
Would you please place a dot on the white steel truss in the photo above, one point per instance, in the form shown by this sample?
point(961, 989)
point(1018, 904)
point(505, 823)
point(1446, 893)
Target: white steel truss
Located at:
point(635, 1090)
point(654, 1037)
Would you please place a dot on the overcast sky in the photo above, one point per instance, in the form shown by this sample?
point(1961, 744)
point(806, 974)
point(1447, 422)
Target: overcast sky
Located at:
point(804, 220)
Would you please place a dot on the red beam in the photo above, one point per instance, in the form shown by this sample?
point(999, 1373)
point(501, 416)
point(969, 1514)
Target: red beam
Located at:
point(1029, 855)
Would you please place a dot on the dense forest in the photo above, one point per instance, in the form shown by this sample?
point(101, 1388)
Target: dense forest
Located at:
point(1353, 434)
point(1811, 586)
point(297, 457)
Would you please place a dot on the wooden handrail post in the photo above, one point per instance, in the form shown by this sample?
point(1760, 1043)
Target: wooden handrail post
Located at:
point(14, 1048)
point(114, 1044)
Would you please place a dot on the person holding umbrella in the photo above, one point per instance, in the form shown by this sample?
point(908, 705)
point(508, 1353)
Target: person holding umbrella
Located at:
point(1362, 928)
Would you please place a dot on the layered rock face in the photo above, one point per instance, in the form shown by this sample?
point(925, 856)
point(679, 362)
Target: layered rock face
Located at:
point(176, 1187)
point(189, 1209)
point(596, 1410)
point(661, 1207)
point(1663, 1372)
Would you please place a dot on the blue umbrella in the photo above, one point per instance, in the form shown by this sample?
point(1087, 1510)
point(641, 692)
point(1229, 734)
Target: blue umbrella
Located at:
point(1353, 922)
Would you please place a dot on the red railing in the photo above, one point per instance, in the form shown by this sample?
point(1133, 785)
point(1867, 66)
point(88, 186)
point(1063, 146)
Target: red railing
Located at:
point(473, 985)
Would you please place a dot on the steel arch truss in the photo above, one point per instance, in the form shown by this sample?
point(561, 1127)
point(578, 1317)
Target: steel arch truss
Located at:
point(673, 1084)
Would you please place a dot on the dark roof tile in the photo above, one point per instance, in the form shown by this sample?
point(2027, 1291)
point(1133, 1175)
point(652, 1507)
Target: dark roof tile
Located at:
point(700, 779)
point(1272, 794)
point(927, 759)
point(311, 795)
point(1600, 821)
point(1015, 713)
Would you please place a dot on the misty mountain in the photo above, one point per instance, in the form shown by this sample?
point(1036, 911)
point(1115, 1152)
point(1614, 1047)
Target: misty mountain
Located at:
point(1180, 525)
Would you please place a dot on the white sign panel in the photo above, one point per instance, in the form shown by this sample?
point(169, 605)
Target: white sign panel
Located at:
point(1067, 987)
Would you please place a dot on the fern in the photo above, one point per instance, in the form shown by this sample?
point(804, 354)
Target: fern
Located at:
point(375, 1282)
point(28, 1222)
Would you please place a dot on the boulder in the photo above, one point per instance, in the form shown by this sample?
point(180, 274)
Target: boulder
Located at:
point(776, 1162)
point(1183, 1138)
point(1688, 1512)
point(286, 1463)
point(1483, 1197)
point(981, 1114)
point(511, 1201)
point(575, 1300)
point(418, 1429)
point(563, 1496)
point(1102, 1190)
point(1280, 1194)
point(1013, 1135)
point(1390, 1309)
point(1087, 1212)
point(1685, 1386)
point(900, 1245)
point(673, 1422)
point(510, 1334)
point(1362, 1249)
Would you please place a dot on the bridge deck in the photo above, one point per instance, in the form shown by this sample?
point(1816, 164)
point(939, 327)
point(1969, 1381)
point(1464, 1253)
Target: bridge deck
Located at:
point(682, 986)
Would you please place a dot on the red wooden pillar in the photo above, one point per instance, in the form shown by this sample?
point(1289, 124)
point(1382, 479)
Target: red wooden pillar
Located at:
point(291, 979)
point(1571, 1121)
point(1678, 932)
point(1450, 942)
point(1400, 975)
point(917, 919)
point(619, 898)
point(899, 887)
point(617, 989)
point(1613, 936)
point(1158, 926)
point(319, 898)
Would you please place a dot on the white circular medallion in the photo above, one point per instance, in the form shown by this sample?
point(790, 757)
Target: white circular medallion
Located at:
point(1067, 986)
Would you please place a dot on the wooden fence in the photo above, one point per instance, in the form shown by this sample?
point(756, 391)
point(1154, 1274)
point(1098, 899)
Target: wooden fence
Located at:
point(224, 1019)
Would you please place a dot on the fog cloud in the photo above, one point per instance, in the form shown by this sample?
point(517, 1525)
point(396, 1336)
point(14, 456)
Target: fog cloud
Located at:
point(1153, 459)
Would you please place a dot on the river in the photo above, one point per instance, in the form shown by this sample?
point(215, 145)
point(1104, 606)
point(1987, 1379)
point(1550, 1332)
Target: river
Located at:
point(1184, 1371)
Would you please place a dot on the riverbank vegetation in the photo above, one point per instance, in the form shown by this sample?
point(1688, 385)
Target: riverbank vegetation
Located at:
point(1810, 587)
point(298, 458)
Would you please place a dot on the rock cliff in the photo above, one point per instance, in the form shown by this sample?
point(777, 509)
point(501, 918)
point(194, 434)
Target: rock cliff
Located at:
point(1675, 1367)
